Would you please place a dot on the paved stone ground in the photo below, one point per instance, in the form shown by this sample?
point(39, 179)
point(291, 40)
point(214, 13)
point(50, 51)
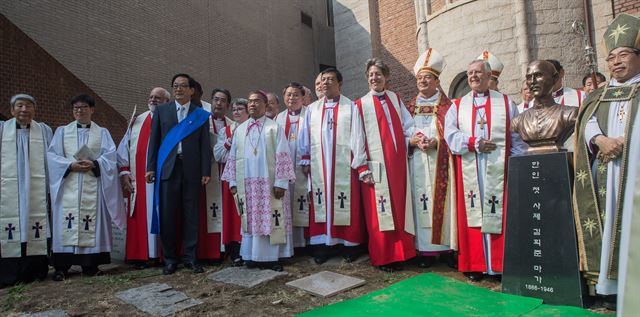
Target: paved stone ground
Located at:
point(157, 299)
point(244, 277)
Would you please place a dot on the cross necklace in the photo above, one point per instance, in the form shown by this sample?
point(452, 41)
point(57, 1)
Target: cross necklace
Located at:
point(255, 147)
point(482, 116)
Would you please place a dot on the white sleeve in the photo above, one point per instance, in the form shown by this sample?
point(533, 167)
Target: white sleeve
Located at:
point(358, 140)
point(458, 142)
point(123, 152)
point(304, 140)
point(518, 146)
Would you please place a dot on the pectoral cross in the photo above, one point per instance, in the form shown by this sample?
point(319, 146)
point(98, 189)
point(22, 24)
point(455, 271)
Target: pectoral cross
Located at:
point(424, 199)
point(69, 218)
point(493, 201)
point(342, 197)
point(86, 220)
point(319, 194)
point(481, 123)
point(37, 227)
point(381, 201)
point(277, 215)
point(302, 200)
point(621, 114)
point(241, 206)
point(330, 123)
point(10, 228)
point(214, 208)
point(471, 196)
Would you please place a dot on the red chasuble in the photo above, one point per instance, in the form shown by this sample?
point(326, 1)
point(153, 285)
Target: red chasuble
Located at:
point(471, 257)
point(386, 247)
point(230, 218)
point(355, 231)
point(137, 239)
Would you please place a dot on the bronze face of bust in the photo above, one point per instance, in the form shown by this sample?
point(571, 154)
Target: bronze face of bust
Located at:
point(546, 125)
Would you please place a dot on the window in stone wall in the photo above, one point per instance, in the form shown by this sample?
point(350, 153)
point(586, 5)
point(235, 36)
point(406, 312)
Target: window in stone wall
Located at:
point(459, 86)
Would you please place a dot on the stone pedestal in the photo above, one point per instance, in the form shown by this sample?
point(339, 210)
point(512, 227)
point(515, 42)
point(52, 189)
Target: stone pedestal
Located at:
point(541, 255)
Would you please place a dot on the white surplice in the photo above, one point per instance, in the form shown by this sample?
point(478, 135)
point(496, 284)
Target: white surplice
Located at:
point(458, 144)
point(22, 140)
point(257, 247)
point(110, 206)
point(327, 150)
point(606, 286)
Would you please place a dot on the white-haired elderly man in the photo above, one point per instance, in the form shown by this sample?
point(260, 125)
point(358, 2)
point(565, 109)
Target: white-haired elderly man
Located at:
point(24, 216)
point(477, 132)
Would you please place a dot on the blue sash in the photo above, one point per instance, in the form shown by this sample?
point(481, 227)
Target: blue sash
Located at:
point(191, 123)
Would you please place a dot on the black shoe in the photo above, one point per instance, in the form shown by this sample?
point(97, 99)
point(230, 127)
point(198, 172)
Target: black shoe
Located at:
point(237, 262)
point(90, 270)
point(194, 267)
point(450, 259)
point(319, 259)
point(251, 264)
point(350, 254)
point(276, 267)
point(141, 265)
point(426, 261)
point(169, 269)
point(474, 276)
point(609, 302)
point(59, 276)
point(391, 267)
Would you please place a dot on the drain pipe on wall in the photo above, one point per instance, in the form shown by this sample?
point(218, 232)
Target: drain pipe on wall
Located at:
point(522, 38)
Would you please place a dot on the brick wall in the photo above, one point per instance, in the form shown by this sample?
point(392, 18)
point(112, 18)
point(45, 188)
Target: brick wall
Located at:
point(626, 6)
point(27, 68)
point(398, 49)
point(122, 49)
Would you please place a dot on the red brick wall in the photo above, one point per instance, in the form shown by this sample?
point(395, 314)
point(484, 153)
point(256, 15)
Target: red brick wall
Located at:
point(626, 6)
point(437, 5)
point(27, 68)
point(398, 49)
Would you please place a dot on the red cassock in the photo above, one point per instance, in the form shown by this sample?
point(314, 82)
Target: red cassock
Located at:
point(355, 232)
point(137, 239)
point(386, 247)
point(471, 256)
point(230, 218)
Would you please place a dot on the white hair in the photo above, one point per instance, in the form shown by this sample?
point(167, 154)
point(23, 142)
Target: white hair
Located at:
point(17, 97)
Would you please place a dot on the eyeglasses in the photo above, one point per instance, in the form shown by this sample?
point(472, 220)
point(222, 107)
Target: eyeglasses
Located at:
point(80, 108)
point(184, 86)
point(624, 55)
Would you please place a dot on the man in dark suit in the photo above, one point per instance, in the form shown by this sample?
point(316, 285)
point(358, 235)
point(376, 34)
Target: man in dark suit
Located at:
point(186, 169)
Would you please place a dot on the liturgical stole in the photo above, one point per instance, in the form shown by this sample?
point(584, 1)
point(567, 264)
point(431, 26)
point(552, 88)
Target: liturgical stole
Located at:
point(214, 187)
point(10, 235)
point(139, 142)
point(270, 131)
point(300, 207)
point(342, 114)
point(80, 192)
point(488, 213)
point(377, 165)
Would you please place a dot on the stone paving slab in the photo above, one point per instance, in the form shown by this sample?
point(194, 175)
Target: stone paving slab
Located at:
point(157, 299)
point(326, 283)
point(48, 313)
point(244, 277)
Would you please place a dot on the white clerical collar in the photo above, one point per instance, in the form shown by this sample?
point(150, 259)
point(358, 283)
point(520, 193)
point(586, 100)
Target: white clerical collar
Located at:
point(558, 93)
point(83, 126)
point(261, 119)
point(635, 79)
point(480, 94)
point(378, 93)
point(433, 98)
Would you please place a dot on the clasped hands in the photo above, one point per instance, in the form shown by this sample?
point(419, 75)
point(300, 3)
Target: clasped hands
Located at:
point(423, 142)
point(609, 148)
point(82, 166)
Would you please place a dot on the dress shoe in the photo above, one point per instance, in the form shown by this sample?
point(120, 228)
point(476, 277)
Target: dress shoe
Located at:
point(450, 259)
point(609, 302)
point(251, 264)
point(474, 276)
point(59, 276)
point(426, 261)
point(237, 262)
point(319, 259)
point(194, 267)
point(169, 268)
point(275, 267)
point(90, 270)
point(391, 267)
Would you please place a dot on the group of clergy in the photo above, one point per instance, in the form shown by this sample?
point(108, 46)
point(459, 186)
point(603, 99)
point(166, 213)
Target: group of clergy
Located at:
point(331, 176)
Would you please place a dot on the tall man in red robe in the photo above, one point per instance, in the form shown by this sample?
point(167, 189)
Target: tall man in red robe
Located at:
point(383, 131)
point(325, 144)
point(477, 132)
point(141, 244)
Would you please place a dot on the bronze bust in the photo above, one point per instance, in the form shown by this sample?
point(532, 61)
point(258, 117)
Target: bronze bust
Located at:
point(546, 125)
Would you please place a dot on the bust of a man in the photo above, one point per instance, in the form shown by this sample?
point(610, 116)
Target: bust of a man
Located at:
point(546, 125)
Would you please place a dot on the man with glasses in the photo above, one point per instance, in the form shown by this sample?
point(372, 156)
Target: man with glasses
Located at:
point(179, 162)
point(606, 124)
point(85, 192)
point(141, 244)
